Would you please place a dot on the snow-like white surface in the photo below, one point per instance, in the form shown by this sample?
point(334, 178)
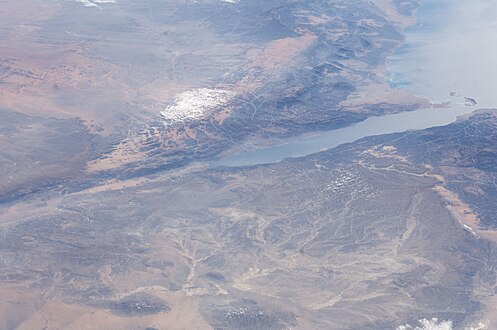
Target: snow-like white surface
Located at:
point(432, 324)
point(94, 3)
point(435, 324)
point(193, 104)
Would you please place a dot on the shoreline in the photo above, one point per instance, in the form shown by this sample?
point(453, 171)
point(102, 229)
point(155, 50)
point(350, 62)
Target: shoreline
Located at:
point(445, 108)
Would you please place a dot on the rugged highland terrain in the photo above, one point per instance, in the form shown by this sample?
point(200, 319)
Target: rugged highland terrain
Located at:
point(110, 217)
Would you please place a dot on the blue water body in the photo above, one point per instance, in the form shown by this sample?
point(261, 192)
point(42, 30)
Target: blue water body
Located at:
point(429, 20)
point(400, 122)
point(451, 48)
point(434, 61)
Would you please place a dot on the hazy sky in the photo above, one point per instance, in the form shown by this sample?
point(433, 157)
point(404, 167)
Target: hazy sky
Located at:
point(453, 48)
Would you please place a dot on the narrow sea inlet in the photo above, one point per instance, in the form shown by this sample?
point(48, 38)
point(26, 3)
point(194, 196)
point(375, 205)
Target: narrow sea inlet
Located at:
point(414, 120)
point(448, 56)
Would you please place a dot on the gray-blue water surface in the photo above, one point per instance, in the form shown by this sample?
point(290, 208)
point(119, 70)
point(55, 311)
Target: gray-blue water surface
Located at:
point(436, 61)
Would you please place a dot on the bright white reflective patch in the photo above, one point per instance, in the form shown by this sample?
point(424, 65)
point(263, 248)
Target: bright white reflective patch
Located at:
point(94, 3)
point(435, 324)
point(425, 324)
point(194, 104)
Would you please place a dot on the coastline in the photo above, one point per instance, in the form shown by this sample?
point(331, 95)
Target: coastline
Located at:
point(446, 107)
